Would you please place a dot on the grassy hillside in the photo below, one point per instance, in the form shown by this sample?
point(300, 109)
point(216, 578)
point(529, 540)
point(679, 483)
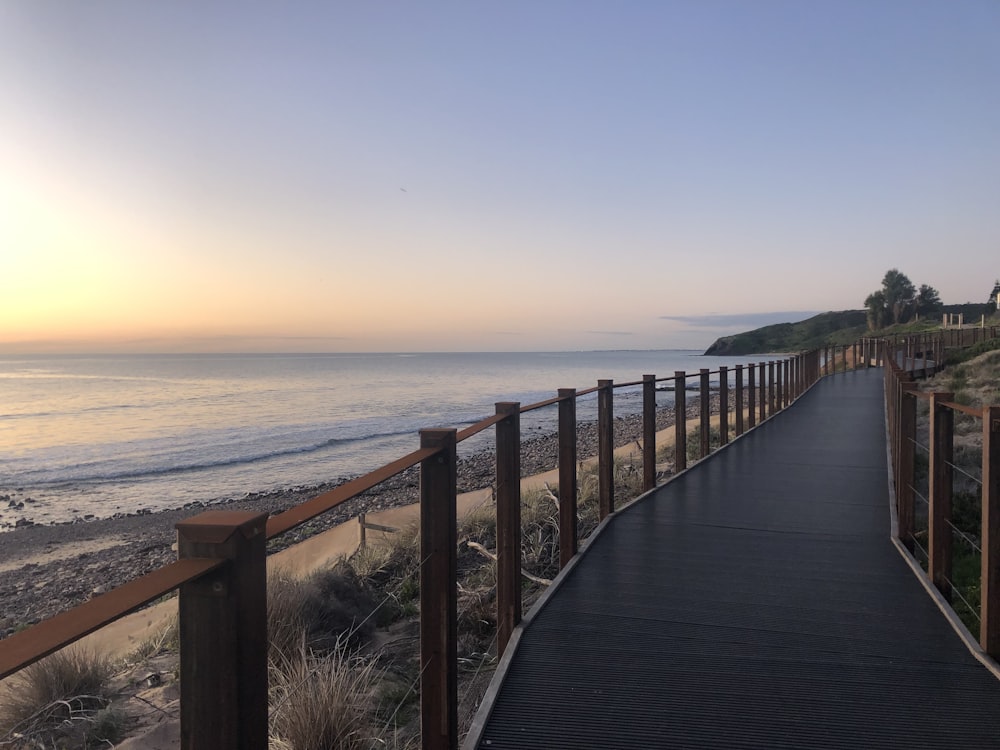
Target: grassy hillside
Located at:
point(830, 327)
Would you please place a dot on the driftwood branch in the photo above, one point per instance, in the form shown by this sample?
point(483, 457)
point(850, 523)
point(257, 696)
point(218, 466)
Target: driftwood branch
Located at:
point(551, 495)
point(483, 551)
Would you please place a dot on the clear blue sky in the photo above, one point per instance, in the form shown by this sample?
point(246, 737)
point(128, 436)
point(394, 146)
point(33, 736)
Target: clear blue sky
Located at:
point(485, 176)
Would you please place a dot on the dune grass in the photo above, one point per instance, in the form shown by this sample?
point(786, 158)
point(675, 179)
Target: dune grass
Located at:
point(61, 701)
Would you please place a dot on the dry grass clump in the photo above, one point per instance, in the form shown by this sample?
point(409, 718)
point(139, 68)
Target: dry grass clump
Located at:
point(322, 610)
point(61, 701)
point(323, 702)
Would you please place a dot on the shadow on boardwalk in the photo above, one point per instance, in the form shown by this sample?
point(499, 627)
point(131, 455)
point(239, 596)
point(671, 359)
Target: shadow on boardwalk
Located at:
point(755, 601)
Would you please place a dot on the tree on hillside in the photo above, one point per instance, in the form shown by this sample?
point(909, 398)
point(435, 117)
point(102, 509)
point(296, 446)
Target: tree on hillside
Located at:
point(928, 300)
point(899, 293)
point(875, 305)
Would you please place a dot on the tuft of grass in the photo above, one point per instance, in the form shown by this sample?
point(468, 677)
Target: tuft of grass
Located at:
point(58, 700)
point(322, 703)
point(166, 640)
point(327, 607)
point(694, 442)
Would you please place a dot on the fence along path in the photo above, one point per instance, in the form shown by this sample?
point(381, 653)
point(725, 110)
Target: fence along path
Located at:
point(754, 601)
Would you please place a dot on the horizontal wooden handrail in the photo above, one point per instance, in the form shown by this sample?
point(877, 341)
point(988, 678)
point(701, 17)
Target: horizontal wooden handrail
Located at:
point(971, 411)
point(542, 404)
point(299, 514)
point(25, 648)
point(478, 427)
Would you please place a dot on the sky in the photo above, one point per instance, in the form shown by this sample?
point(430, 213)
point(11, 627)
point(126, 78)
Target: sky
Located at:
point(484, 176)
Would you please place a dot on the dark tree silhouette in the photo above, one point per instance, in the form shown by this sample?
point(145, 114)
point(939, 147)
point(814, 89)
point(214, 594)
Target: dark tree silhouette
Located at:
point(875, 305)
point(899, 294)
point(928, 300)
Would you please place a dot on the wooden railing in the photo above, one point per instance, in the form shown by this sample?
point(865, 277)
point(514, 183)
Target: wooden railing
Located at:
point(905, 360)
point(221, 571)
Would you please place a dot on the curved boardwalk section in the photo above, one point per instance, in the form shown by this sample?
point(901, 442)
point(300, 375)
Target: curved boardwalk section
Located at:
point(754, 602)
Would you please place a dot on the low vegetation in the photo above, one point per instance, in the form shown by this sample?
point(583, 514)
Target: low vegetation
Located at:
point(62, 701)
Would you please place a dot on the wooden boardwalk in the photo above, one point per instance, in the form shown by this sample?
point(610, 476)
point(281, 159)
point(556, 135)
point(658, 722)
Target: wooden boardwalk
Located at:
point(756, 601)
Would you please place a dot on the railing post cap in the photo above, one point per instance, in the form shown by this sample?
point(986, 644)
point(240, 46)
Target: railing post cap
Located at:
point(217, 526)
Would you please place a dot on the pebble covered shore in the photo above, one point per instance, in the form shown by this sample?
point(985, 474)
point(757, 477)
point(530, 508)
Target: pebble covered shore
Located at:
point(33, 588)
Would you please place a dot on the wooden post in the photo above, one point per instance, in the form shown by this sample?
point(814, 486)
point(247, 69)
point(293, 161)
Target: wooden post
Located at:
point(605, 447)
point(223, 633)
point(779, 385)
point(362, 531)
point(751, 396)
point(939, 499)
point(567, 476)
point(438, 593)
point(762, 389)
point(706, 413)
point(770, 388)
point(508, 436)
point(648, 432)
point(989, 634)
point(680, 421)
point(740, 401)
point(723, 405)
point(787, 391)
point(906, 447)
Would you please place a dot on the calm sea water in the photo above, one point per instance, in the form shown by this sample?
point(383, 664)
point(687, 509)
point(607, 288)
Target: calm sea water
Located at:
point(101, 435)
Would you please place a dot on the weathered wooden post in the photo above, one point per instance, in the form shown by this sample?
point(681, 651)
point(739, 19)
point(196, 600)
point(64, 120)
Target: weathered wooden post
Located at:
point(723, 405)
point(706, 412)
point(567, 476)
point(680, 421)
point(762, 389)
point(438, 592)
point(942, 421)
point(771, 388)
point(751, 396)
point(783, 384)
point(606, 447)
point(223, 633)
point(508, 453)
point(740, 402)
point(906, 447)
point(778, 387)
point(989, 633)
point(648, 432)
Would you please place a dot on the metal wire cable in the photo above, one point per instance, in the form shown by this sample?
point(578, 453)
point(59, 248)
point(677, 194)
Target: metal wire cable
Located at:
point(956, 592)
point(919, 445)
point(920, 547)
point(965, 537)
point(965, 473)
point(914, 491)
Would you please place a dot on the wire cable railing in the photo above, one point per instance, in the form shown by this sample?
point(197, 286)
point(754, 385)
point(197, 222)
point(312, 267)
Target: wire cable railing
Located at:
point(952, 571)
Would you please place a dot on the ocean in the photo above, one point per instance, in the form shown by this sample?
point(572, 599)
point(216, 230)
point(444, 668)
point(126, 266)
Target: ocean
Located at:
point(93, 436)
